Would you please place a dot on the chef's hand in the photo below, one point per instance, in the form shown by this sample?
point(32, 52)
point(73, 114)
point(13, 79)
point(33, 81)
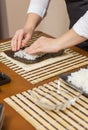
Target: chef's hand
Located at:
point(20, 39)
point(43, 45)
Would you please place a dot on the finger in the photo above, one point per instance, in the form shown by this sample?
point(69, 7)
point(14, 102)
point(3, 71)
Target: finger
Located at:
point(33, 50)
point(14, 43)
point(25, 40)
point(20, 38)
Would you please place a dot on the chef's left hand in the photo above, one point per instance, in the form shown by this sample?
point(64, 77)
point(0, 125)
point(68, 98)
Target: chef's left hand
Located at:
point(43, 45)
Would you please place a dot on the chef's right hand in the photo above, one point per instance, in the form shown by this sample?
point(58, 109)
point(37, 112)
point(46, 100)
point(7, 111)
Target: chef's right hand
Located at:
point(20, 39)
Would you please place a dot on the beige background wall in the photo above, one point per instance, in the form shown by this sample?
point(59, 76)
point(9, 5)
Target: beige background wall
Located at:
point(13, 15)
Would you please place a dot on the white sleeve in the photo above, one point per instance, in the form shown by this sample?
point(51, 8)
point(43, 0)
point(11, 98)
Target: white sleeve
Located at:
point(38, 6)
point(81, 26)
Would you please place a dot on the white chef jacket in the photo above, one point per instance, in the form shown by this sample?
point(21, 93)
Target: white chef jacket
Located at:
point(40, 7)
point(81, 26)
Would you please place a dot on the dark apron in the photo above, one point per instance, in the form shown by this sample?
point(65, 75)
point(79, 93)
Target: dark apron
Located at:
point(76, 9)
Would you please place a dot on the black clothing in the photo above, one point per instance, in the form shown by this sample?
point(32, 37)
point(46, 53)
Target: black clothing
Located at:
point(76, 9)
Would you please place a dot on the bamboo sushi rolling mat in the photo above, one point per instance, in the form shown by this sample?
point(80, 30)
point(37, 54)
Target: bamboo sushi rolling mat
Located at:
point(46, 69)
point(73, 118)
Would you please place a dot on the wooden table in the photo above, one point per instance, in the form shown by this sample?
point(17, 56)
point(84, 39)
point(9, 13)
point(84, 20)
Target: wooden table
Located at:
point(13, 121)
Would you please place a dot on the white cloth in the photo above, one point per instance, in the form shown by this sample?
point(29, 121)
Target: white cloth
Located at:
point(38, 6)
point(81, 26)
